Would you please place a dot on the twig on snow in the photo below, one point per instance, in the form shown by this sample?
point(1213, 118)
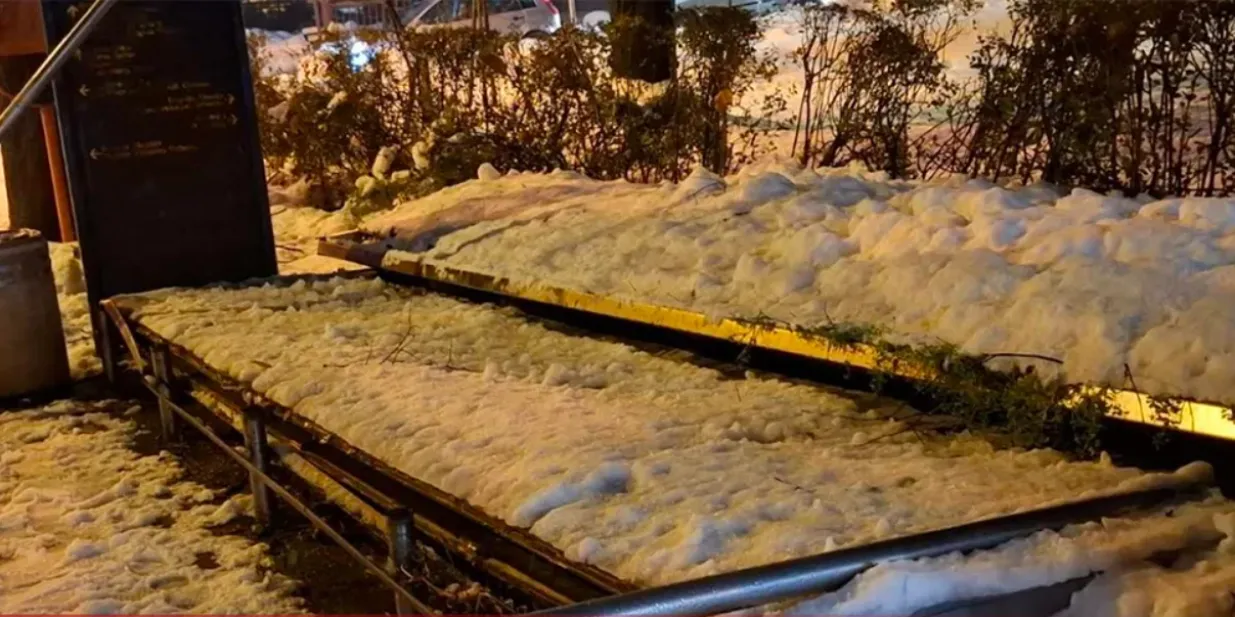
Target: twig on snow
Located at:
point(407, 332)
point(1033, 356)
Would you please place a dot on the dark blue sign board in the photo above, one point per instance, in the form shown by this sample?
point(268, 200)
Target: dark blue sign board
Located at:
point(161, 147)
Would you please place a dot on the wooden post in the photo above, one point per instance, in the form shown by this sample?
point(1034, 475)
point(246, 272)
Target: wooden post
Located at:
point(325, 12)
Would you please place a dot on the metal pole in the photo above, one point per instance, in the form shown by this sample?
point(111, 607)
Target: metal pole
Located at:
point(58, 56)
point(570, 5)
point(822, 573)
point(259, 454)
point(399, 532)
point(59, 184)
point(161, 368)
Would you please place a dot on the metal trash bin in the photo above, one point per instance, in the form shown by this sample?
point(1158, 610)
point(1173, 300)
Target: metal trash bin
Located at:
point(32, 349)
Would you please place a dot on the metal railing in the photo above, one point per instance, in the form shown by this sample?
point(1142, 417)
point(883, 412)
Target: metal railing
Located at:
point(818, 574)
point(56, 59)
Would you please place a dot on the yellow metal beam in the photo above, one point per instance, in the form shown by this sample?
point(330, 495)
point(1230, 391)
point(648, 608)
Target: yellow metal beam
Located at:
point(1188, 416)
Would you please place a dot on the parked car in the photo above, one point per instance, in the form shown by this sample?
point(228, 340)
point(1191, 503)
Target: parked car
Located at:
point(531, 18)
point(595, 17)
point(754, 6)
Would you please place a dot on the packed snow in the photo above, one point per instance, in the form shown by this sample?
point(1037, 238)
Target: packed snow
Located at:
point(89, 526)
point(654, 469)
point(296, 258)
point(74, 309)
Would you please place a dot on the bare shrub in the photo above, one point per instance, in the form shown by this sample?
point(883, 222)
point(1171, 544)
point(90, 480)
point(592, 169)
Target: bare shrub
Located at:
point(1110, 94)
point(871, 75)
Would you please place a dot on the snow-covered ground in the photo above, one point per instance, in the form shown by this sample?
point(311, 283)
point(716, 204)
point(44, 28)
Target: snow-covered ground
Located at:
point(1108, 285)
point(89, 526)
point(653, 469)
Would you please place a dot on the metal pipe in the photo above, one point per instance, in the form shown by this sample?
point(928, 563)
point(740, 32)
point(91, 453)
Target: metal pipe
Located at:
point(59, 184)
point(822, 573)
point(399, 535)
point(51, 65)
point(299, 506)
point(161, 367)
point(259, 455)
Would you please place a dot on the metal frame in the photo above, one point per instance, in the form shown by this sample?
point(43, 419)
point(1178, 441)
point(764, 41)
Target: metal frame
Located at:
point(517, 559)
point(263, 484)
point(817, 574)
point(377, 484)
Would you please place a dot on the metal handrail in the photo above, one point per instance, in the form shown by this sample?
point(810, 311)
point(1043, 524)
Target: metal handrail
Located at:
point(51, 65)
point(822, 573)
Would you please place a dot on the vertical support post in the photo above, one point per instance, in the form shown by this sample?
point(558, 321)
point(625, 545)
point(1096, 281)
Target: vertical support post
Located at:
point(574, 18)
point(399, 535)
point(259, 454)
point(162, 376)
point(325, 12)
point(59, 184)
point(107, 348)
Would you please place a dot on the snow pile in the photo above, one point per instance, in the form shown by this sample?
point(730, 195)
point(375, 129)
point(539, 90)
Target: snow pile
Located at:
point(88, 526)
point(1197, 580)
point(282, 51)
point(1103, 283)
point(651, 468)
point(74, 309)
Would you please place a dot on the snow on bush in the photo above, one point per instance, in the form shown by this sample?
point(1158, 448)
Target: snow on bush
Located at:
point(443, 101)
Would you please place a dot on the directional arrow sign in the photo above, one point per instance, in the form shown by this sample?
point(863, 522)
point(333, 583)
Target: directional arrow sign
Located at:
point(95, 154)
point(84, 91)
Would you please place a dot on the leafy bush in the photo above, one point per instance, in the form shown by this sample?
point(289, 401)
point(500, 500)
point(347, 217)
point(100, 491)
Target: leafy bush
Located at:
point(447, 100)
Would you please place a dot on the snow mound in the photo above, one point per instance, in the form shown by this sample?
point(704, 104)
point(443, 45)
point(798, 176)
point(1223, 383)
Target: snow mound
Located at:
point(1103, 283)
